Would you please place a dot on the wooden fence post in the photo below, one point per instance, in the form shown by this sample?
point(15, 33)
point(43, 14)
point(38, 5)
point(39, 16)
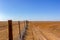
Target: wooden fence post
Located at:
point(27, 23)
point(19, 30)
point(10, 29)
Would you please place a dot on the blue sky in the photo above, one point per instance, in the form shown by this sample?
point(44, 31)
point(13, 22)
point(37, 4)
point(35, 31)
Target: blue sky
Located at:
point(40, 10)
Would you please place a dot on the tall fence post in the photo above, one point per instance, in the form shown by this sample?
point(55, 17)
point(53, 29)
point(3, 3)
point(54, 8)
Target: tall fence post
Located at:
point(10, 29)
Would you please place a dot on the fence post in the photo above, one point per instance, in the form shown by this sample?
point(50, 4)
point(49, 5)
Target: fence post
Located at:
point(10, 29)
point(19, 29)
point(27, 23)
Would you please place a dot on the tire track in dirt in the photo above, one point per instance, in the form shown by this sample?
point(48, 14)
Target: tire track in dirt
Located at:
point(38, 35)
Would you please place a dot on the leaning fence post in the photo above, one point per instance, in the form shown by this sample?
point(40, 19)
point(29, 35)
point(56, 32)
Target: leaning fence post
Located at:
point(10, 29)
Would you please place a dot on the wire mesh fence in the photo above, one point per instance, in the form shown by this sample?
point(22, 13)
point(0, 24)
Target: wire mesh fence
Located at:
point(12, 31)
point(5, 31)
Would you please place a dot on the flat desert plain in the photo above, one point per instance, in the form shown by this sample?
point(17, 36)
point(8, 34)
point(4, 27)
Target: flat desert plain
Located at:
point(37, 30)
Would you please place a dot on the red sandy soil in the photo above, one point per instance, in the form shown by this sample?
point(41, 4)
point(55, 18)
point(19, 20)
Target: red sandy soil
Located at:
point(37, 30)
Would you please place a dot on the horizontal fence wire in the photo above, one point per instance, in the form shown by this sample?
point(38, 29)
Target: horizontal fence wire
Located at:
point(7, 25)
